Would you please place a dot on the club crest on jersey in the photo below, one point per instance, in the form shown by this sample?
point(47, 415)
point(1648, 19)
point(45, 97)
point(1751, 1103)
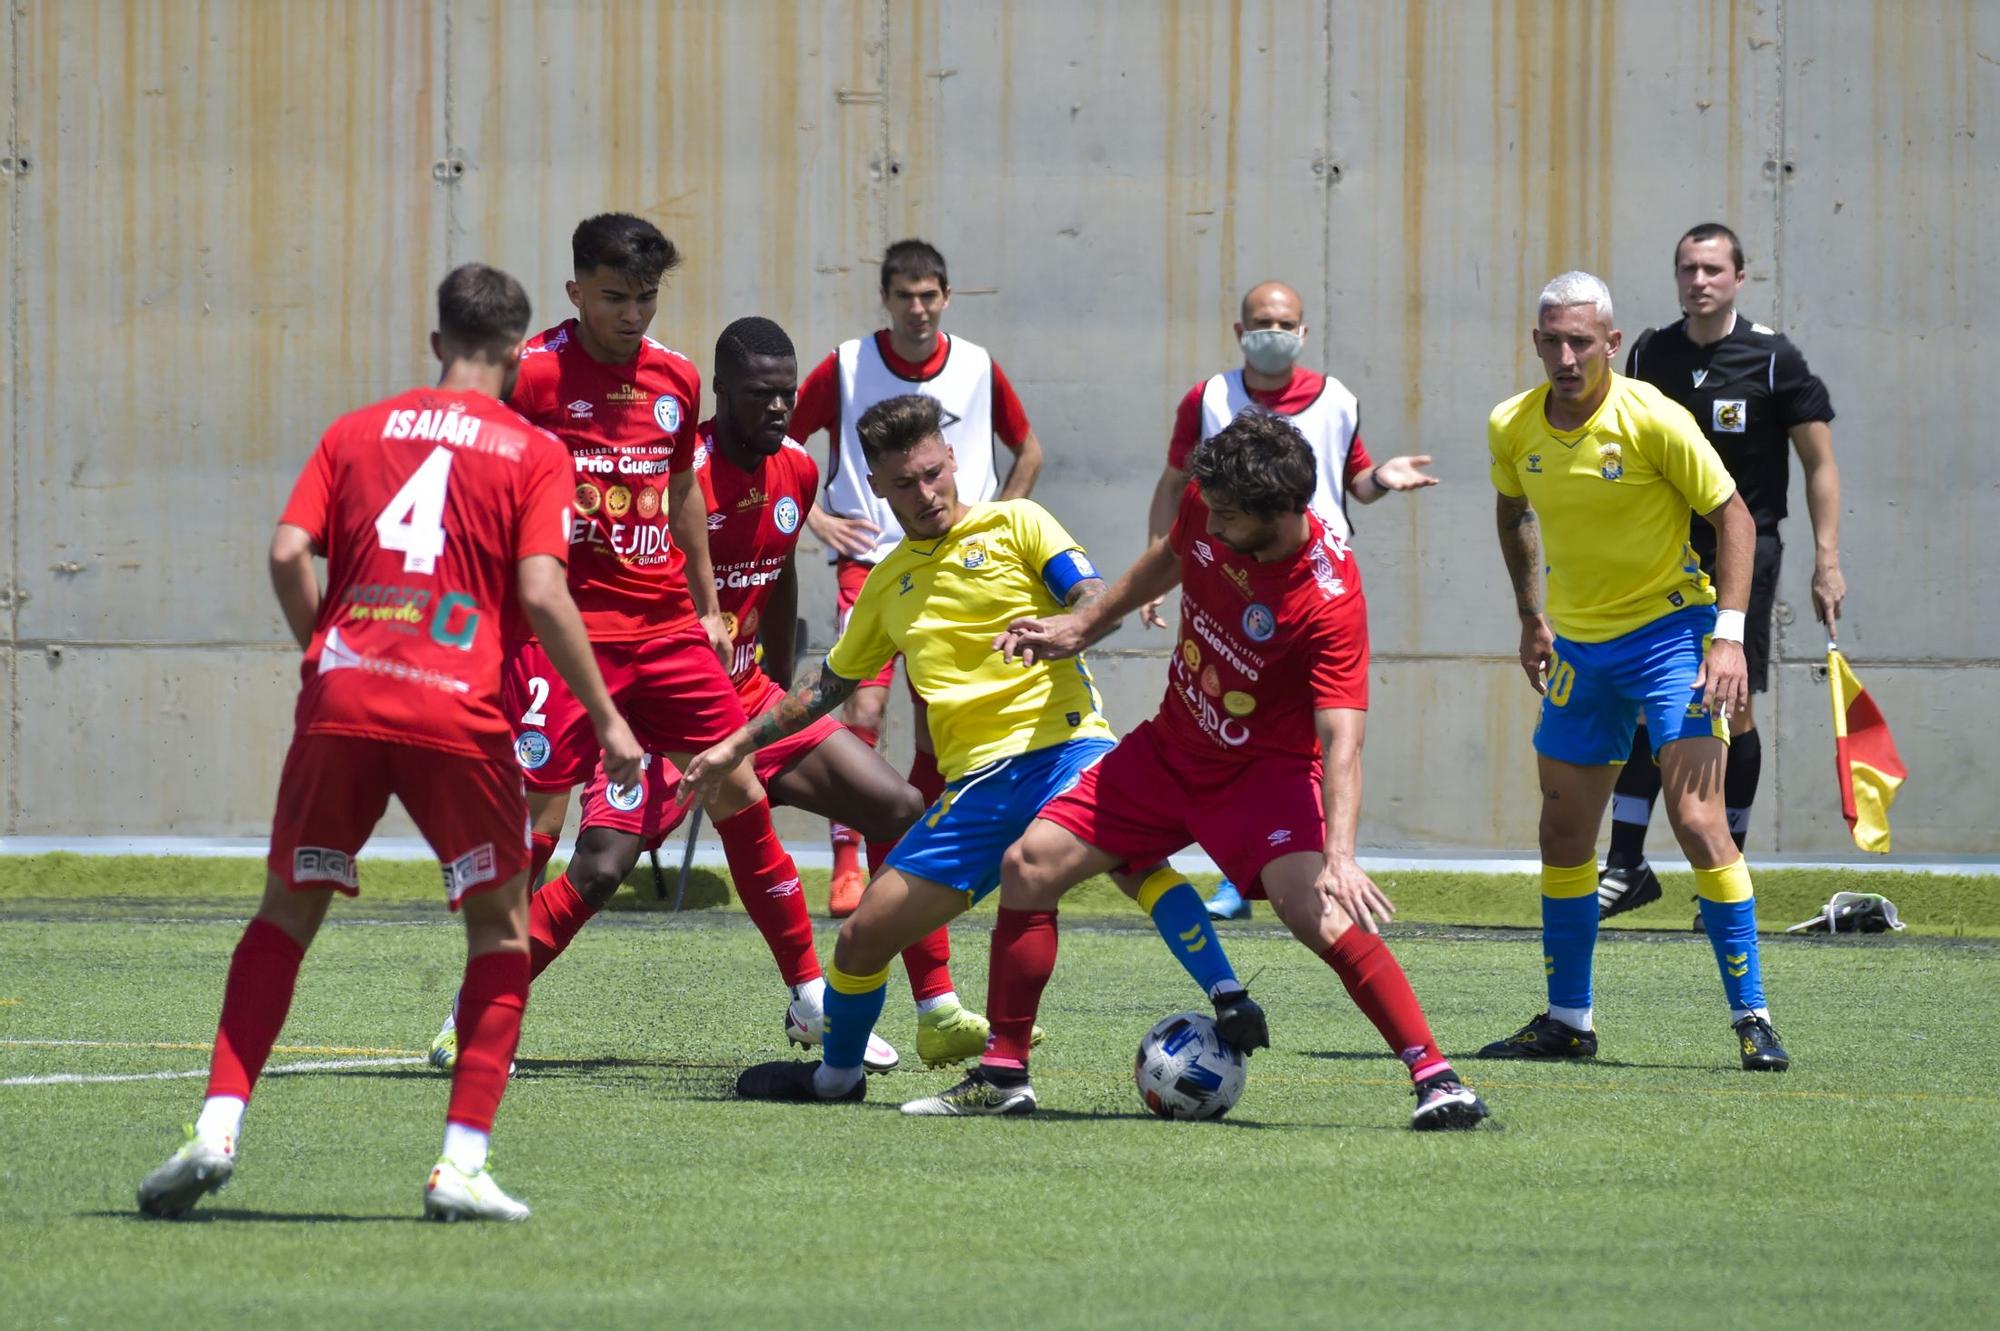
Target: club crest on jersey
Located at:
point(975, 554)
point(1259, 624)
point(1729, 415)
point(1534, 464)
point(649, 502)
point(1610, 461)
point(626, 798)
point(667, 413)
point(531, 749)
point(786, 514)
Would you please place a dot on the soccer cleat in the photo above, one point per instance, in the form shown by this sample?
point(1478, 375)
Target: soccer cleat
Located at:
point(791, 1081)
point(199, 1167)
point(452, 1194)
point(1759, 1045)
point(1445, 1104)
point(975, 1096)
point(444, 1049)
point(844, 894)
point(1240, 1021)
point(1626, 888)
point(1228, 903)
point(1544, 1037)
point(804, 1028)
point(950, 1034)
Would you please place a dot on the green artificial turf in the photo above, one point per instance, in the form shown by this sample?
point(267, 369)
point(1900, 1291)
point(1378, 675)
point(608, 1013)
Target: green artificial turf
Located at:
point(1657, 1186)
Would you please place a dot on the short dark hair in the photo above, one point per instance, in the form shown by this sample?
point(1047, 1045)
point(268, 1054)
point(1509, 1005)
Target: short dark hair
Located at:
point(1711, 231)
point(1261, 461)
point(630, 246)
point(481, 309)
point(914, 259)
point(753, 335)
point(899, 424)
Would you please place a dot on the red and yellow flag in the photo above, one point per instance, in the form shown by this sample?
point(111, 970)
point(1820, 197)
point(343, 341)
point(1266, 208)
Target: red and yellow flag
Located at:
point(1864, 755)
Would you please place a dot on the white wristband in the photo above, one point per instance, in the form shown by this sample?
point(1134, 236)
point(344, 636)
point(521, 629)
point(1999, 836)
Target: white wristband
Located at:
point(1728, 626)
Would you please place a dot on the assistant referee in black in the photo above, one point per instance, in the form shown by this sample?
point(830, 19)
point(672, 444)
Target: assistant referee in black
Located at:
point(1750, 390)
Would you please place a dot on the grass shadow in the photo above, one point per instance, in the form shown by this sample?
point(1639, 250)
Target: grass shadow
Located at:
point(237, 1214)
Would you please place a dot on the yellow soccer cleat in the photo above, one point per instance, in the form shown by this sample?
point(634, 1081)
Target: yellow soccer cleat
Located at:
point(951, 1034)
point(444, 1049)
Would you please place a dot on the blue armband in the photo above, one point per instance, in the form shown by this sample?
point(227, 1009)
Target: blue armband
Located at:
point(1061, 574)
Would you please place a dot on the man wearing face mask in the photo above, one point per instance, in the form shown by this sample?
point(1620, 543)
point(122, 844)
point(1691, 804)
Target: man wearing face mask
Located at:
point(1272, 332)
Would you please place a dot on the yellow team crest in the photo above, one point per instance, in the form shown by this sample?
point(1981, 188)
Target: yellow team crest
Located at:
point(1610, 460)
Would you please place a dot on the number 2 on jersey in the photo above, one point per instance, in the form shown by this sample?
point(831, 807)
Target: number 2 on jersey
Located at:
point(413, 522)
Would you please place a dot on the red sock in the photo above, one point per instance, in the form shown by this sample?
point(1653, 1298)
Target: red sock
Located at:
point(1376, 983)
point(767, 882)
point(846, 849)
point(542, 848)
point(491, 1000)
point(555, 914)
point(1024, 956)
point(928, 960)
point(262, 974)
point(924, 775)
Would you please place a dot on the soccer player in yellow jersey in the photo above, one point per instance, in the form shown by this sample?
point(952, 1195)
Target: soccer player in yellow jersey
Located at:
point(1598, 475)
point(1009, 738)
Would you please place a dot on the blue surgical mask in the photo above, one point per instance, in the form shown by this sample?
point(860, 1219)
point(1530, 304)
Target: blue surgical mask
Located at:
point(1271, 350)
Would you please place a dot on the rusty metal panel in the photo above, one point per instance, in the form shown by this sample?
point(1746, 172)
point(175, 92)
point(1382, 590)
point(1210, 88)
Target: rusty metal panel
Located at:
point(227, 241)
point(747, 132)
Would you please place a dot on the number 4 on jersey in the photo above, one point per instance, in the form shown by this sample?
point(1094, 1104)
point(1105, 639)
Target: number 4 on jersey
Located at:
point(413, 522)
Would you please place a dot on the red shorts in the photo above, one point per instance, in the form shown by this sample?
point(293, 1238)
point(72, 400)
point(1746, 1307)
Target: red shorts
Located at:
point(673, 691)
point(651, 812)
point(336, 787)
point(1146, 800)
point(851, 573)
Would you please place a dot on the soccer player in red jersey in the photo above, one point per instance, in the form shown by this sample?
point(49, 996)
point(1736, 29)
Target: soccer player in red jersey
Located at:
point(759, 487)
point(442, 516)
point(913, 355)
point(1255, 755)
point(626, 408)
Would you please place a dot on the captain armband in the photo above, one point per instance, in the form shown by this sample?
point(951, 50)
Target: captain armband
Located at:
point(1062, 574)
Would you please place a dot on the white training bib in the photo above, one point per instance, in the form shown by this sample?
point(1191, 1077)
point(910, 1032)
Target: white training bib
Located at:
point(963, 387)
point(1328, 425)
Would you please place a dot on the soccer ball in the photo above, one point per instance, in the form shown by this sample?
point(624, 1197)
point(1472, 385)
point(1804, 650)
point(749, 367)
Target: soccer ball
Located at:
point(1185, 1069)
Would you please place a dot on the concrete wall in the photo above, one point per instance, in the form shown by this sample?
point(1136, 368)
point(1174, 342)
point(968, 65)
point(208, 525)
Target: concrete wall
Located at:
point(224, 219)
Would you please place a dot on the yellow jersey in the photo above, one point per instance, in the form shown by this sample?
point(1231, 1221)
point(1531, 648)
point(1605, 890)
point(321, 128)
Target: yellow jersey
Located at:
point(1613, 499)
point(941, 603)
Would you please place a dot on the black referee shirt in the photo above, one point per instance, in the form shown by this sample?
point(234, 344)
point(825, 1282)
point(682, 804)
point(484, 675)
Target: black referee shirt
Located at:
point(1745, 391)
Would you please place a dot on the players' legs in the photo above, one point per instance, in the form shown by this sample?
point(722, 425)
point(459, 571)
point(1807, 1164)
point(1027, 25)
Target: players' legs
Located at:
point(257, 997)
point(1694, 775)
point(492, 997)
point(1037, 870)
point(1573, 799)
point(1632, 800)
point(547, 809)
point(863, 714)
point(766, 881)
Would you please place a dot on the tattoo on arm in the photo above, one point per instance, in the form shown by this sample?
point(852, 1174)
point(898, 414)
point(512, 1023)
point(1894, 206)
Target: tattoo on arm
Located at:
point(817, 694)
point(1521, 547)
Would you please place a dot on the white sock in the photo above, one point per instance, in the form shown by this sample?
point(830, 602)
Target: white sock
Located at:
point(465, 1147)
point(813, 994)
point(949, 998)
point(221, 1116)
point(832, 1083)
point(1576, 1018)
point(1737, 1014)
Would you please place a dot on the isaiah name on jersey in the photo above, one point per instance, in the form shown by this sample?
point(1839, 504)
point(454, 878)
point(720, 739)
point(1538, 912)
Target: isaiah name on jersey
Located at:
point(754, 521)
point(629, 428)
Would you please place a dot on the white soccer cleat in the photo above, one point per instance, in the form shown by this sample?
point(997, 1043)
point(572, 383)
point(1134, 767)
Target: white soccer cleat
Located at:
point(199, 1167)
point(804, 1026)
point(452, 1194)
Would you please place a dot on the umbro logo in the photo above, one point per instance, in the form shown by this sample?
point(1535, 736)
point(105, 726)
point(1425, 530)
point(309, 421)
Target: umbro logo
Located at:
point(1279, 837)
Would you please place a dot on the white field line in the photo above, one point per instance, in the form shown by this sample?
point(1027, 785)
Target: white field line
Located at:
point(96, 1078)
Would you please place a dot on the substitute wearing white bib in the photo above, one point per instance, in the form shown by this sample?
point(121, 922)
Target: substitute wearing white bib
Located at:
point(963, 386)
point(1328, 424)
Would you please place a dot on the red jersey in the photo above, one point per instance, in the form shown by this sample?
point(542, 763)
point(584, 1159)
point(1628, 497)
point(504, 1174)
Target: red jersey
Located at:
point(1293, 398)
point(424, 504)
point(628, 428)
point(1262, 645)
point(818, 406)
point(754, 521)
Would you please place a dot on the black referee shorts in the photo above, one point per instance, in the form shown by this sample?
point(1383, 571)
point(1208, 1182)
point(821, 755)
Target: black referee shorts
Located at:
point(1759, 619)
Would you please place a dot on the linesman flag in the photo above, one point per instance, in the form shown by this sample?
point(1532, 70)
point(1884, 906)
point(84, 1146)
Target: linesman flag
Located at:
point(1864, 755)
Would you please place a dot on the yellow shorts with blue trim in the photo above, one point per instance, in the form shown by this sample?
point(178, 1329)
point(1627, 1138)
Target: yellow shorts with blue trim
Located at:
point(1598, 690)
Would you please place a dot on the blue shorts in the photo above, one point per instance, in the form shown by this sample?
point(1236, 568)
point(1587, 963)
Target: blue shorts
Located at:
point(1598, 690)
point(960, 839)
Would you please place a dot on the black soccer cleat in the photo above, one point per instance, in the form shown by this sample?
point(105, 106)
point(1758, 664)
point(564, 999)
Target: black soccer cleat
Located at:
point(1759, 1045)
point(1445, 1104)
point(792, 1081)
point(1544, 1037)
point(1240, 1021)
point(1626, 888)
